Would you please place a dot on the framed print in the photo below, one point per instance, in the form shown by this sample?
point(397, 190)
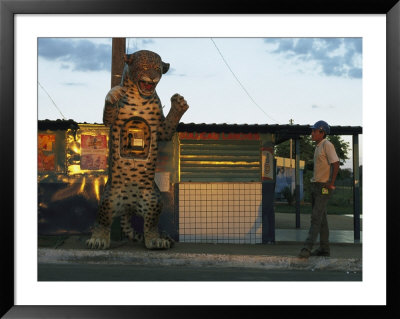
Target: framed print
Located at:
point(22, 23)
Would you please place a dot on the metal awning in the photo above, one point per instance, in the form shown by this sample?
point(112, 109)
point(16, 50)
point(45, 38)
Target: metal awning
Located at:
point(282, 132)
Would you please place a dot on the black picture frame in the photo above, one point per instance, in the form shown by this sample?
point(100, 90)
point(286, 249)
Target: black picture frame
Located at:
point(8, 10)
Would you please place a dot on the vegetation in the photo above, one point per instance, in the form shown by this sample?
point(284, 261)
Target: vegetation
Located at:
point(288, 195)
point(341, 203)
point(307, 149)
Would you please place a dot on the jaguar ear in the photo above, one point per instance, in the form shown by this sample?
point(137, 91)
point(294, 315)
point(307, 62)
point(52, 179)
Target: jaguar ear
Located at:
point(128, 58)
point(165, 67)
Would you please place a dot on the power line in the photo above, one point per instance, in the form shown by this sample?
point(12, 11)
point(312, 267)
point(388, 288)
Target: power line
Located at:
point(52, 101)
point(241, 85)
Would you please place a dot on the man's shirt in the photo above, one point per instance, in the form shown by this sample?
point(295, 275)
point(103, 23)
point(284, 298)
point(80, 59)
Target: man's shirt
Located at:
point(324, 156)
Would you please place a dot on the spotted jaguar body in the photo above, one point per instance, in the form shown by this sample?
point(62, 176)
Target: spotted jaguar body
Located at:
point(134, 113)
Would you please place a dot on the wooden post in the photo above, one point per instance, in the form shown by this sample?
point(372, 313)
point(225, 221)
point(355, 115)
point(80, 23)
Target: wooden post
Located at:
point(117, 64)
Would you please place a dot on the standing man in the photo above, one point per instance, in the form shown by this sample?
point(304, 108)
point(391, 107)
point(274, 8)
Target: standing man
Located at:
point(326, 166)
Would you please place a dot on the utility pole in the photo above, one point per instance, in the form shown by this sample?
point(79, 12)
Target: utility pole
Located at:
point(117, 62)
point(117, 66)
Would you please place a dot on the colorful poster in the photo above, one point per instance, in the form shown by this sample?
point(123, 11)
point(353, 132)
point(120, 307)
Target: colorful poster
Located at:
point(46, 156)
point(267, 164)
point(93, 152)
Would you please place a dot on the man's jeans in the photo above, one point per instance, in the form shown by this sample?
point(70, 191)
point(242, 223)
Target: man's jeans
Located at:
point(319, 222)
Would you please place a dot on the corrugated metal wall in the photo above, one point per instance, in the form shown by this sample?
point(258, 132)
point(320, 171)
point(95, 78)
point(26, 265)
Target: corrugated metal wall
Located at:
point(220, 161)
point(219, 195)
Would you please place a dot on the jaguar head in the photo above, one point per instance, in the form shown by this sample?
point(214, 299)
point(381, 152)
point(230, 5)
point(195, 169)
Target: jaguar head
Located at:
point(145, 71)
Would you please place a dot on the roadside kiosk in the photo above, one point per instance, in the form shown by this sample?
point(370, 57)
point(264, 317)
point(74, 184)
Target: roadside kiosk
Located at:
point(217, 180)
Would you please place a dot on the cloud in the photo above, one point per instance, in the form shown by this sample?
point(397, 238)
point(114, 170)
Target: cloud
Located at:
point(332, 56)
point(74, 84)
point(315, 106)
point(76, 54)
point(136, 44)
point(172, 71)
point(147, 41)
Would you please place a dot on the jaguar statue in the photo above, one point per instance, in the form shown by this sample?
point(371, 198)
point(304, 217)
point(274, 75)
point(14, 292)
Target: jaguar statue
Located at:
point(134, 114)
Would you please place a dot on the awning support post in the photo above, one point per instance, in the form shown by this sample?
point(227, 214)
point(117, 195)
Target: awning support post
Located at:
point(356, 188)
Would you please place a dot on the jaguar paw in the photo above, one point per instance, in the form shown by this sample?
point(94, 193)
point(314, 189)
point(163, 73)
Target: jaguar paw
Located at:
point(157, 243)
point(167, 237)
point(179, 103)
point(115, 94)
point(138, 237)
point(98, 243)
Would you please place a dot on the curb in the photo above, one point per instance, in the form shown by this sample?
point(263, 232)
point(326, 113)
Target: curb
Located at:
point(67, 256)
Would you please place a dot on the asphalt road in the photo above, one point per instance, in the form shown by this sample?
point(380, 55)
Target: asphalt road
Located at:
point(103, 272)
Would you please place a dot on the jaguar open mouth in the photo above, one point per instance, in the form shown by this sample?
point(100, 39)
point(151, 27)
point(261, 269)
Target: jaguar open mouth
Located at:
point(147, 87)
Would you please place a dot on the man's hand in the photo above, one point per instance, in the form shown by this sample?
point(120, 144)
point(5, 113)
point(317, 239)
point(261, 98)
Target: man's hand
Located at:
point(330, 186)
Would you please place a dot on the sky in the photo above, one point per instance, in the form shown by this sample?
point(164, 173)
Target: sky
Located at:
point(224, 80)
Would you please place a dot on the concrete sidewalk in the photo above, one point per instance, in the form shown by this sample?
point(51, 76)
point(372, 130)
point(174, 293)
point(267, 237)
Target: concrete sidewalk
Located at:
point(281, 255)
point(346, 253)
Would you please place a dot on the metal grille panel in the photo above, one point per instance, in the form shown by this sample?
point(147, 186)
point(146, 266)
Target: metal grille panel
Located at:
point(220, 213)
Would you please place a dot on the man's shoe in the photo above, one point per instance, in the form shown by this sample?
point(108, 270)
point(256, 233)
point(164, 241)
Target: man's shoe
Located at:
point(320, 252)
point(304, 253)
